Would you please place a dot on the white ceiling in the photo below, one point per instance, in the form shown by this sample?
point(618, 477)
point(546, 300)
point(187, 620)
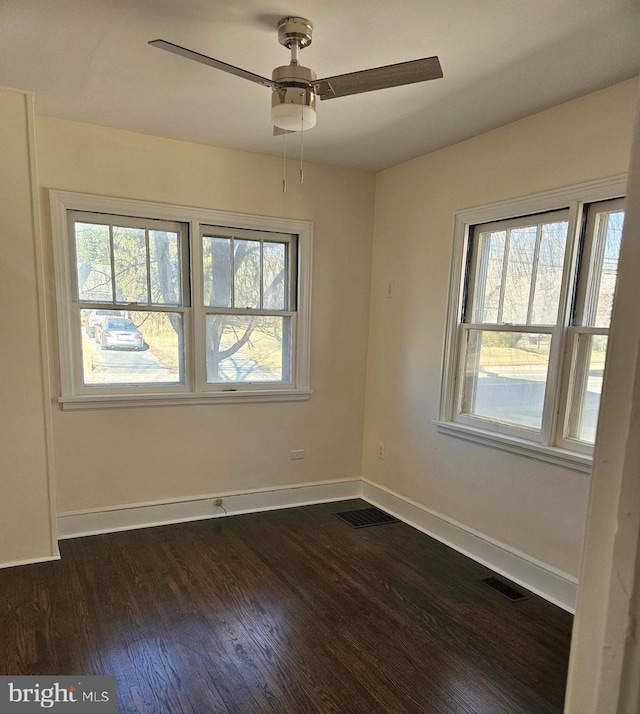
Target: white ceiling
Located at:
point(88, 60)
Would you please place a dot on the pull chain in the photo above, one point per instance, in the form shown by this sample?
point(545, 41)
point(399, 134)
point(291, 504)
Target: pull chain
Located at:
point(301, 139)
point(284, 165)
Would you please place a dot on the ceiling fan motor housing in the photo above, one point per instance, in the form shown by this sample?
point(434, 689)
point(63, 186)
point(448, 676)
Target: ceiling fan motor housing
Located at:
point(293, 101)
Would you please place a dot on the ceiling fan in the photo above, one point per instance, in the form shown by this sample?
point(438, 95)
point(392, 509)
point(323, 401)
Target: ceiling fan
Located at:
point(296, 88)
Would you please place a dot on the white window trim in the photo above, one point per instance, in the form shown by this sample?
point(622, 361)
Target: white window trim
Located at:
point(504, 442)
point(63, 201)
point(573, 198)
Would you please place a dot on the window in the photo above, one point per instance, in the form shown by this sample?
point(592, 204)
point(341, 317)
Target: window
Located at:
point(249, 296)
point(591, 319)
point(164, 304)
point(129, 296)
point(531, 297)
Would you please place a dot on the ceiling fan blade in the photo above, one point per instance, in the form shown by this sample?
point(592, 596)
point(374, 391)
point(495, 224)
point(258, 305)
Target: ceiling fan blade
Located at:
point(217, 64)
point(368, 80)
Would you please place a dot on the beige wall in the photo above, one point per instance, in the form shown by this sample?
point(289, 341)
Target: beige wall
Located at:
point(25, 468)
point(187, 451)
point(170, 453)
point(534, 507)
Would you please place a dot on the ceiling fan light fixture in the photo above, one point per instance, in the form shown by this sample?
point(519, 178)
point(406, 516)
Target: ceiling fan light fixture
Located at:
point(293, 108)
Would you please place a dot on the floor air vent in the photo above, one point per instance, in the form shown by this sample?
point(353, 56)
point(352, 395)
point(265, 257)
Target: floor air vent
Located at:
point(366, 517)
point(505, 590)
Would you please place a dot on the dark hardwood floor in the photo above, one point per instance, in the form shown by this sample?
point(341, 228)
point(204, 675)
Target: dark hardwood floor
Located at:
point(285, 611)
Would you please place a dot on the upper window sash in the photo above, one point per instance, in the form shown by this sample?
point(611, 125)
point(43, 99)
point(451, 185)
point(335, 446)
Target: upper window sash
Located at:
point(515, 275)
point(600, 252)
point(162, 278)
point(249, 271)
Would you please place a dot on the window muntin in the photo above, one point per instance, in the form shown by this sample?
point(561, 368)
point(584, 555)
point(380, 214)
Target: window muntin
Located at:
point(535, 313)
point(150, 272)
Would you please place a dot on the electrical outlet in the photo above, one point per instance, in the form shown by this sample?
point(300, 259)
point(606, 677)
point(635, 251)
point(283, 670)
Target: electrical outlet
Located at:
point(381, 449)
point(217, 502)
point(297, 454)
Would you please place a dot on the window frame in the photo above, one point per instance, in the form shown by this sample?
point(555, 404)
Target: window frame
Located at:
point(201, 311)
point(75, 306)
point(551, 329)
point(552, 447)
point(196, 390)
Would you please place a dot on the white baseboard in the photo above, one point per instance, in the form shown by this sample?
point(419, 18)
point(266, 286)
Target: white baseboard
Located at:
point(145, 515)
point(30, 561)
point(544, 580)
point(550, 583)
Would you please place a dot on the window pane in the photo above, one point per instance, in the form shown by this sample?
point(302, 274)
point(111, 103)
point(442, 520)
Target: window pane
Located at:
point(274, 271)
point(216, 269)
point(93, 262)
point(517, 281)
point(546, 299)
point(121, 347)
point(246, 278)
point(164, 253)
point(587, 386)
point(130, 264)
point(604, 272)
point(505, 376)
point(248, 348)
point(490, 265)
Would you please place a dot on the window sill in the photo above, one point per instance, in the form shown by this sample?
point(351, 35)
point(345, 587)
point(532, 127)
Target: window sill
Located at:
point(551, 454)
point(121, 401)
